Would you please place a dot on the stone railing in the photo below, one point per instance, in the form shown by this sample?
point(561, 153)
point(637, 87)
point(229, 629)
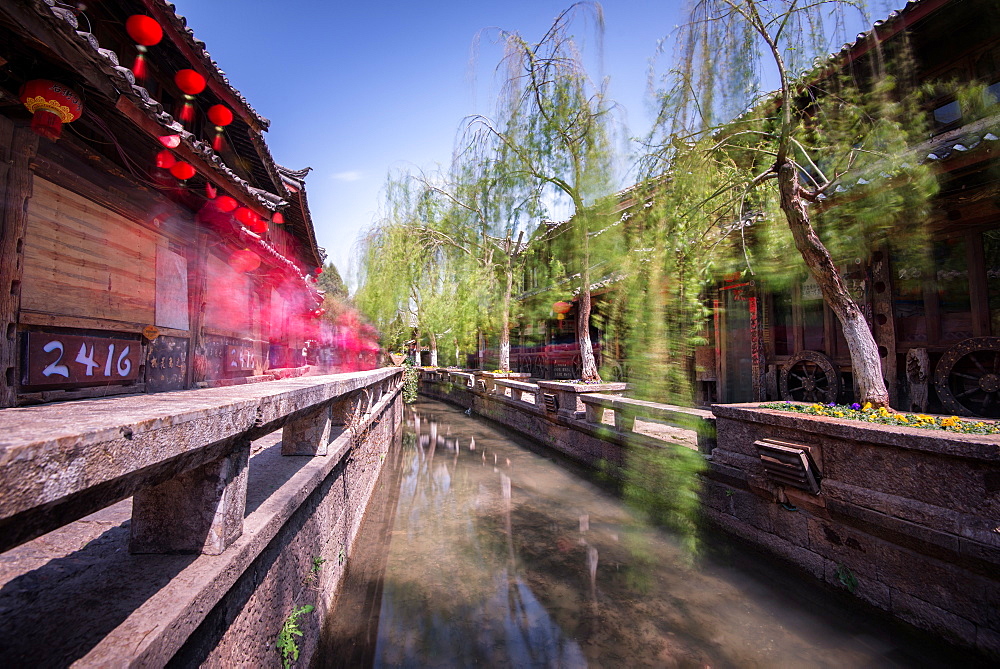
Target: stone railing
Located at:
point(238, 528)
point(183, 456)
point(548, 411)
point(626, 411)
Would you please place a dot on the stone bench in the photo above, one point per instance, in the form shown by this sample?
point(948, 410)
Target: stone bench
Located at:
point(626, 411)
point(520, 391)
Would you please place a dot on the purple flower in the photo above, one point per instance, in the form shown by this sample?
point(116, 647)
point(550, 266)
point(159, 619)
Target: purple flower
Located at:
point(832, 404)
point(856, 406)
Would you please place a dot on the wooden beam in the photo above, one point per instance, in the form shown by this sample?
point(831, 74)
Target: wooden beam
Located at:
point(18, 146)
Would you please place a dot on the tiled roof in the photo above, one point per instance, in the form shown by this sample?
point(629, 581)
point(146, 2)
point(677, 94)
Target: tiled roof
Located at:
point(180, 24)
point(124, 80)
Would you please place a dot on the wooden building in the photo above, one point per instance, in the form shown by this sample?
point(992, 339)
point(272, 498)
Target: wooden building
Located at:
point(937, 323)
point(140, 252)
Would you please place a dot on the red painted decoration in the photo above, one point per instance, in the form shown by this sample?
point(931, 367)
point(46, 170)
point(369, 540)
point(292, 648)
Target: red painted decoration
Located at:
point(244, 260)
point(51, 104)
point(144, 30)
point(225, 203)
point(182, 170)
point(165, 159)
point(190, 82)
point(278, 218)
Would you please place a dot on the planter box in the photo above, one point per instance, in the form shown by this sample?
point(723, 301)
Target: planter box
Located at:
point(911, 513)
point(567, 395)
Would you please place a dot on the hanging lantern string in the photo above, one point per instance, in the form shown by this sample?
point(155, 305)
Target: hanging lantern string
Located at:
point(191, 84)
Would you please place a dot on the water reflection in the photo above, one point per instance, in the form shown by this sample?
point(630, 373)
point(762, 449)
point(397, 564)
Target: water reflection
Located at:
point(501, 557)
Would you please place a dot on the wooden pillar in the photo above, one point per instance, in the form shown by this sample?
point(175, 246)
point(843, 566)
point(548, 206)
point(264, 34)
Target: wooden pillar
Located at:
point(883, 320)
point(199, 511)
point(18, 146)
point(197, 261)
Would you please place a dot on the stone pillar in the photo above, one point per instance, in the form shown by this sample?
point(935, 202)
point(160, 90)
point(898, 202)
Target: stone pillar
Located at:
point(308, 434)
point(199, 511)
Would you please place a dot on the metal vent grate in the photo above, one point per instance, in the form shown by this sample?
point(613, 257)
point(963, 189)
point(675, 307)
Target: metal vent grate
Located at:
point(550, 402)
point(789, 464)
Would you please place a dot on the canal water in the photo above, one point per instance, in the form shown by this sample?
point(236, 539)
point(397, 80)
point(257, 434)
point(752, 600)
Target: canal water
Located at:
point(496, 555)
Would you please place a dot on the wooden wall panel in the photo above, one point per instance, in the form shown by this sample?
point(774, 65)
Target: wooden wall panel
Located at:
point(84, 260)
point(227, 301)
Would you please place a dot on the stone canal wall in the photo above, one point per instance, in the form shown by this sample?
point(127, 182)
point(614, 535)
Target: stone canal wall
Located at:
point(203, 519)
point(906, 520)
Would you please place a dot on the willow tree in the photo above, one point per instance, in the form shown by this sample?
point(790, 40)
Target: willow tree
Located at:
point(492, 214)
point(553, 136)
point(407, 282)
point(792, 154)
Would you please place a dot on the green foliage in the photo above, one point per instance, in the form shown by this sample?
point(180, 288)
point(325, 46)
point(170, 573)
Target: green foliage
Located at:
point(846, 577)
point(331, 282)
point(317, 564)
point(286, 643)
point(663, 484)
point(411, 382)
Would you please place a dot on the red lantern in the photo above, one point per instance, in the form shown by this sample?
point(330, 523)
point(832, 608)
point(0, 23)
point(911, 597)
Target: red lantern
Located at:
point(210, 191)
point(165, 159)
point(145, 32)
point(278, 218)
point(182, 170)
point(562, 307)
point(225, 204)
point(318, 271)
point(221, 116)
point(251, 220)
point(51, 104)
point(191, 83)
point(244, 260)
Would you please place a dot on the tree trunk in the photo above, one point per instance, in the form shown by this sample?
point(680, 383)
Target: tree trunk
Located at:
point(864, 351)
point(416, 351)
point(505, 324)
point(434, 350)
point(588, 365)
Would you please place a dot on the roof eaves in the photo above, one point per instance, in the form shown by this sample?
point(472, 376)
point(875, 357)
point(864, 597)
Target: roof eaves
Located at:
point(180, 26)
point(124, 81)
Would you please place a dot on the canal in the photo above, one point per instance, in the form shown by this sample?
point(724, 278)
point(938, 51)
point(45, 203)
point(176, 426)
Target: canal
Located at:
point(483, 551)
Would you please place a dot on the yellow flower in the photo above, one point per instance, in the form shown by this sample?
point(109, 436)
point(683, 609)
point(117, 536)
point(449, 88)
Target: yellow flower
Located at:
point(867, 406)
point(902, 419)
point(816, 406)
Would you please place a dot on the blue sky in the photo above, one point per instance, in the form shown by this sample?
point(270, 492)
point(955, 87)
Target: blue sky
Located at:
point(353, 89)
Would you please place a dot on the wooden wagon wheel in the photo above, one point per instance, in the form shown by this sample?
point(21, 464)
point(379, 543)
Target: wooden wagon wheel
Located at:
point(809, 376)
point(967, 378)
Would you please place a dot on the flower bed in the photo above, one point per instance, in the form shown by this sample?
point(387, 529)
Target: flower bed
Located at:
point(883, 416)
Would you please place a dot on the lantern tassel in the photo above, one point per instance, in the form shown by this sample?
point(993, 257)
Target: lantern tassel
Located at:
point(139, 68)
point(46, 123)
point(187, 113)
point(218, 142)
